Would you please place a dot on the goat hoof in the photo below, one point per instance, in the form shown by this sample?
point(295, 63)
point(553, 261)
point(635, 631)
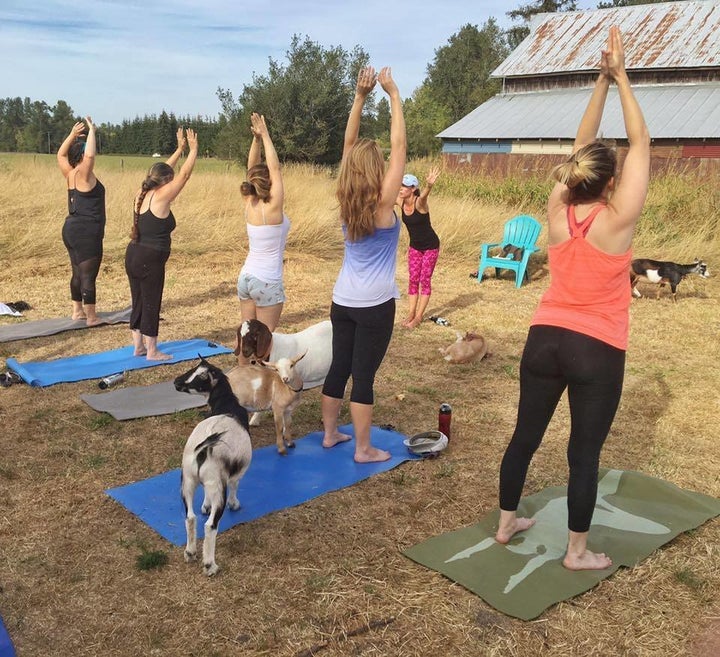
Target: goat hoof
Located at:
point(210, 569)
point(282, 451)
point(234, 505)
point(205, 510)
point(291, 445)
point(189, 556)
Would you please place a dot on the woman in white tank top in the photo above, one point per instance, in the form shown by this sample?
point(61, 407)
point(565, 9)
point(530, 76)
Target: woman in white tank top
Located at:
point(260, 283)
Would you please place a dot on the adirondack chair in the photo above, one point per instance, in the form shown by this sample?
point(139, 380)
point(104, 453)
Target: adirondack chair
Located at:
point(520, 232)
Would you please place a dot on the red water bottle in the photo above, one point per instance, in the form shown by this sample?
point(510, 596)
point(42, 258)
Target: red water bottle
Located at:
point(444, 417)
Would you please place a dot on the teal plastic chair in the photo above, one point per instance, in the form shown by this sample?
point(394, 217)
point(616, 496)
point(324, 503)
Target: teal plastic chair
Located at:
point(521, 232)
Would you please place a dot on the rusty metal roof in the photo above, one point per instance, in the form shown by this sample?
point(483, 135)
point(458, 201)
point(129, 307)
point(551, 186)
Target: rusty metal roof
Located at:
point(689, 111)
point(670, 35)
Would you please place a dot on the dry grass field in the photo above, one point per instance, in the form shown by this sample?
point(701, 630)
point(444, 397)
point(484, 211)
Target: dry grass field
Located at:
point(328, 578)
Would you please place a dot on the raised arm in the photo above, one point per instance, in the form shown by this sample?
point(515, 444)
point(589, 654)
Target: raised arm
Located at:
point(365, 84)
point(629, 197)
point(85, 169)
point(422, 201)
point(167, 193)
point(62, 155)
point(277, 193)
point(254, 157)
point(398, 151)
point(173, 159)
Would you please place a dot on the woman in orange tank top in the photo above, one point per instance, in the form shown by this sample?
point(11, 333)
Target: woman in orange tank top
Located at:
point(578, 335)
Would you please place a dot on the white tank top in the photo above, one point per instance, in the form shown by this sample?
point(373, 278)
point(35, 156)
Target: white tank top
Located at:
point(267, 246)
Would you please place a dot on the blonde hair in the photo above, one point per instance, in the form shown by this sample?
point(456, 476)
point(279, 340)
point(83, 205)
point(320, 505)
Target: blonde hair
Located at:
point(258, 182)
point(359, 187)
point(587, 171)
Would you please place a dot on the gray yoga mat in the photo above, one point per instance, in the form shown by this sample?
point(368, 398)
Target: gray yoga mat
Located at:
point(42, 327)
point(143, 401)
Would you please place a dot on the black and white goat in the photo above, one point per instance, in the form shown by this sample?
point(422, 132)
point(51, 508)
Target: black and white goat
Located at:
point(217, 454)
point(662, 273)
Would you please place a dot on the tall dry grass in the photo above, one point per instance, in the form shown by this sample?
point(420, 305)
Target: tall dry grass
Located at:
point(680, 220)
point(328, 577)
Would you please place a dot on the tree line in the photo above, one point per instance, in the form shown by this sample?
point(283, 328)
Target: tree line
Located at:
point(306, 100)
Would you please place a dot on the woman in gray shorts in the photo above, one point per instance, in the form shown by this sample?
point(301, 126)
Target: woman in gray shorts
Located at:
point(260, 284)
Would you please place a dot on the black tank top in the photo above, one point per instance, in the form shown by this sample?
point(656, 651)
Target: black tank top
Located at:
point(154, 232)
point(422, 235)
point(88, 205)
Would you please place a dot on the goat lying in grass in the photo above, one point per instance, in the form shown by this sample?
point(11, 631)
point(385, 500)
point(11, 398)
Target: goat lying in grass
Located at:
point(217, 454)
point(270, 386)
point(467, 348)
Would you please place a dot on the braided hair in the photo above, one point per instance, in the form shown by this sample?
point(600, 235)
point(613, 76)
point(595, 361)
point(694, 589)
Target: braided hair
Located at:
point(160, 174)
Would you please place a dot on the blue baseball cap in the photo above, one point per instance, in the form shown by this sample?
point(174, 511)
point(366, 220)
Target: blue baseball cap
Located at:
point(410, 181)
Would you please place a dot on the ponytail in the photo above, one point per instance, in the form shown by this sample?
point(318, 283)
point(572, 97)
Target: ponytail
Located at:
point(587, 172)
point(258, 183)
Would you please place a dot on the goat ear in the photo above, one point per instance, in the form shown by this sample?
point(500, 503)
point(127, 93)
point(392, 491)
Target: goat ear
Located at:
point(297, 359)
point(263, 340)
point(239, 341)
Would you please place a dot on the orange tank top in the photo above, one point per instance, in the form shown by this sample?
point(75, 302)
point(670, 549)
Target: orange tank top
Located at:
point(589, 289)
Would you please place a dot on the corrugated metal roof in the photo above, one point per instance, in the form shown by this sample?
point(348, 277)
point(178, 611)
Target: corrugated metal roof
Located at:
point(671, 111)
point(656, 36)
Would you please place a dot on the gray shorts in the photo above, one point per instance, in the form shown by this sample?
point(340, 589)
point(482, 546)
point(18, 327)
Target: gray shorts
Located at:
point(263, 294)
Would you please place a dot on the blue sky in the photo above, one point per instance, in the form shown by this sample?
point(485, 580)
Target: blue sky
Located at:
point(116, 59)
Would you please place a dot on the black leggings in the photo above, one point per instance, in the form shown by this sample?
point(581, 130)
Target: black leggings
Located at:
point(145, 268)
point(592, 371)
point(360, 339)
point(83, 241)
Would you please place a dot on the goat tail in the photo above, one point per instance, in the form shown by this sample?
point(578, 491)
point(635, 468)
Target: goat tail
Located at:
point(204, 450)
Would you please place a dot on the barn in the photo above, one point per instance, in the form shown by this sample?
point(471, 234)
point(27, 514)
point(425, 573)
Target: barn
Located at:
point(672, 54)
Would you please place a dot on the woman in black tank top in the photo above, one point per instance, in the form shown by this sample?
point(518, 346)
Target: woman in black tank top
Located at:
point(84, 226)
point(149, 248)
point(424, 244)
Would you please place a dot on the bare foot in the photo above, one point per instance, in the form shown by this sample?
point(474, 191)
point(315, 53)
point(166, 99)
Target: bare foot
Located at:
point(504, 534)
point(407, 320)
point(159, 355)
point(415, 323)
point(337, 437)
point(371, 455)
point(93, 321)
point(587, 561)
point(140, 352)
point(78, 316)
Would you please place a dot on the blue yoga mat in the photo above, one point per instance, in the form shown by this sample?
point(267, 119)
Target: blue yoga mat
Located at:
point(272, 482)
point(96, 366)
point(6, 645)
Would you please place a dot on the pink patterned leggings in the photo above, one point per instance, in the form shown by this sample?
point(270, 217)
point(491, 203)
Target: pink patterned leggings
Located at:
point(421, 265)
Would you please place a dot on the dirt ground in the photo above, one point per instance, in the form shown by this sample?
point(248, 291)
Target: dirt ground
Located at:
point(328, 577)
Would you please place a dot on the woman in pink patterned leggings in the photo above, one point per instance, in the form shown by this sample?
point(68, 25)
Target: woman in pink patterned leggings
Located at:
point(424, 244)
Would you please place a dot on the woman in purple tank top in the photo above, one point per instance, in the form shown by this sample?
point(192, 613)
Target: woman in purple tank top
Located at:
point(363, 307)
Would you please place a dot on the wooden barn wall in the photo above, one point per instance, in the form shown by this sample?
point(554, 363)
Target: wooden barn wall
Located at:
point(664, 159)
point(587, 79)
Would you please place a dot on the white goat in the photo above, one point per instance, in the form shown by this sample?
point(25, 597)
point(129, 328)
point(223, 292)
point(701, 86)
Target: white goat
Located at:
point(217, 454)
point(275, 386)
point(256, 342)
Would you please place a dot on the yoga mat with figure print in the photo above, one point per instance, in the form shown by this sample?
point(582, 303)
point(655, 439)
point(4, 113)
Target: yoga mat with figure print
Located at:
point(634, 515)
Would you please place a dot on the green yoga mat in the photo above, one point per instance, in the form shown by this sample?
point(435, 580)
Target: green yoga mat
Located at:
point(634, 515)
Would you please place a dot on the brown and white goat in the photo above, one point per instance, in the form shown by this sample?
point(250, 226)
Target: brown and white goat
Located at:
point(467, 348)
point(217, 454)
point(271, 386)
